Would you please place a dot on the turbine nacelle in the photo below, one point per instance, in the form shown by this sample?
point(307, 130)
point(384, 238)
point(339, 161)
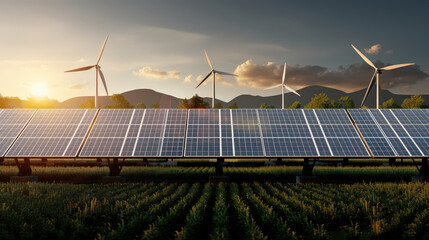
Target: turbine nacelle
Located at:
point(214, 72)
point(283, 86)
point(377, 73)
point(98, 72)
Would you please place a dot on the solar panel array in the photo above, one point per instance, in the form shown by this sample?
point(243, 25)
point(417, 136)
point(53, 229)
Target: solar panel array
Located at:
point(271, 133)
point(394, 132)
point(53, 133)
point(137, 133)
point(213, 133)
point(12, 121)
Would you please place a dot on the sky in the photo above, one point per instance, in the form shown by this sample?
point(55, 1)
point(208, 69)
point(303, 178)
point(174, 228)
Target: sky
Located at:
point(160, 45)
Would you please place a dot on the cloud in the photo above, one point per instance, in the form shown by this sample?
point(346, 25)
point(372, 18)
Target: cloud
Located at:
point(78, 86)
point(389, 51)
point(375, 49)
point(188, 78)
point(352, 78)
point(156, 73)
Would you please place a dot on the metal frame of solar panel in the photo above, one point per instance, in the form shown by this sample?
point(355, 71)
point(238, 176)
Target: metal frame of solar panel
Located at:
point(272, 133)
point(53, 133)
point(12, 121)
point(394, 132)
point(137, 133)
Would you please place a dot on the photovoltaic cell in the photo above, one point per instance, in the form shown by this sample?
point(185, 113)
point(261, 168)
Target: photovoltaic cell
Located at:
point(271, 133)
point(394, 132)
point(53, 133)
point(12, 121)
point(137, 133)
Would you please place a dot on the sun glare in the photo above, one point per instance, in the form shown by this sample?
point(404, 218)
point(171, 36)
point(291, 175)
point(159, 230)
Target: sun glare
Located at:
point(39, 90)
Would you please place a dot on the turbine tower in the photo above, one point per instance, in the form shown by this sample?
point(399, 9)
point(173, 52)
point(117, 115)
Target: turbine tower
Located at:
point(283, 85)
point(97, 72)
point(376, 74)
point(214, 72)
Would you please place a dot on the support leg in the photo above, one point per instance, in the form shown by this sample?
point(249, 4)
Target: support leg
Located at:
point(392, 161)
point(307, 169)
point(345, 161)
point(114, 167)
point(24, 168)
point(279, 161)
point(219, 167)
point(424, 170)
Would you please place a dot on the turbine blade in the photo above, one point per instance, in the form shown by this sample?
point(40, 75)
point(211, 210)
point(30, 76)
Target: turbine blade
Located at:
point(371, 84)
point(284, 74)
point(208, 59)
point(275, 86)
point(205, 78)
point(225, 73)
point(290, 89)
point(391, 67)
point(103, 80)
point(80, 69)
point(364, 58)
point(102, 49)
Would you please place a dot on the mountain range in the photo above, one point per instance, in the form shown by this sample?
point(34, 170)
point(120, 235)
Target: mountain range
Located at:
point(149, 97)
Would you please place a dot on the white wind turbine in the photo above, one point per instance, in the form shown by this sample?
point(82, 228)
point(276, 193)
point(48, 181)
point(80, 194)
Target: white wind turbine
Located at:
point(377, 73)
point(213, 71)
point(283, 85)
point(97, 71)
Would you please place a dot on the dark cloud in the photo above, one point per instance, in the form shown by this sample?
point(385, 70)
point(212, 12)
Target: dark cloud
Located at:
point(351, 78)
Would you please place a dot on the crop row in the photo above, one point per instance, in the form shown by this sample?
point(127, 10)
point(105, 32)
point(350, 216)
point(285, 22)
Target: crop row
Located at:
point(206, 211)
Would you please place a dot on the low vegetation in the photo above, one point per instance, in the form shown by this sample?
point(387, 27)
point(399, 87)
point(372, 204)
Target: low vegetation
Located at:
point(204, 211)
point(237, 174)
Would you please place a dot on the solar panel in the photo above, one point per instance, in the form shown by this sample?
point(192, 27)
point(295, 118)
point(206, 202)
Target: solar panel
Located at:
point(137, 133)
point(394, 132)
point(53, 133)
point(272, 133)
point(12, 121)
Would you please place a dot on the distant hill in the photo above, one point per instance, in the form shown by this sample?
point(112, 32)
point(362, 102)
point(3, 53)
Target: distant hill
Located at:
point(149, 97)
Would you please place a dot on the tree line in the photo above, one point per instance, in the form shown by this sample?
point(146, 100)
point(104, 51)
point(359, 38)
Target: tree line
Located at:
point(320, 100)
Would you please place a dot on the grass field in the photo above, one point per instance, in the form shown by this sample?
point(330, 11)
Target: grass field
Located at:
point(204, 211)
point(237, 174)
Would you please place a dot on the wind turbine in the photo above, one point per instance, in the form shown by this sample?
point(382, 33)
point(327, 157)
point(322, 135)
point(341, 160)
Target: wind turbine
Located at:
point(213, 71)
point(283, 85)
point(97, 71)
point(377, 73)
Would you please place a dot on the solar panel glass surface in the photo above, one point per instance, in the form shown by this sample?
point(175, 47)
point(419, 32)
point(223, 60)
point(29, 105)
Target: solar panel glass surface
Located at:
point(53, 133)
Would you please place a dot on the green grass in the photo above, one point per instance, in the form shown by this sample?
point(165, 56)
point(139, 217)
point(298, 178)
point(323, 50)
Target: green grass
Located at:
point(204, 211)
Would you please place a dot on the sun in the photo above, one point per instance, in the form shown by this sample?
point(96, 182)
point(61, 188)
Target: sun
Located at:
point(39, 90)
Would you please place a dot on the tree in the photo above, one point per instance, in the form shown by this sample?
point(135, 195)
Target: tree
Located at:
point(389, 104)
point(233, 106)
point(415, 101)
point(334, 104)
point(218, 105)
point(346, 102)
point(155, 106)
point(89, 103)
point(198, 102)
point(364, 107)
point(318, 101)
point(10, 102)
point(295, 104)
point(120, 102)
point(184, 104)
point(265, 105)
point(140, 105)
point(40, 102)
